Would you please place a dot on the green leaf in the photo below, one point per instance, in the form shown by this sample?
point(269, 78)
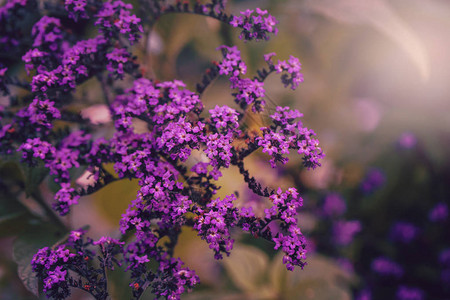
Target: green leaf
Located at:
point(14, 216)
point(14, 224)
point(322, 278)
point(247, 268)
point(34, 177)
point(10, 171)
point(27, 244)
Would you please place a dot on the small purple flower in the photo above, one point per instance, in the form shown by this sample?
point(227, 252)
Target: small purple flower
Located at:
point(290, 70)
point(334, 205)
point(438, 213)
point(374, 179)
point(115, 18)
point(404, 232)
point(47, 34)
point(256, 25)
point(119, 61)
point(407, 140)
point(386, 267)
point(445, 276)
point(47, 128)
point(76, 9)
point(344, 231)
point(409, 293)
point(364, 295)
point(444, 257)
point(200, 168)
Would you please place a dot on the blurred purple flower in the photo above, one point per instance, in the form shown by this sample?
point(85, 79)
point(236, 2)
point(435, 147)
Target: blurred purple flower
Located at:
point(408, 293)
point(445, 276)
point(438, 213)
point(364, 295)
point(386, 267)
point(344, 231)
point(345, 264)
point(407, 140)
point(374, 179)
point(404, 232)
point(334, 205)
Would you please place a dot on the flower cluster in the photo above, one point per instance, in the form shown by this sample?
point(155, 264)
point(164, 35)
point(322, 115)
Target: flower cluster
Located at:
point(49, 266)
point(291, 72)
point(255, 24)
point(334, 205)
point(438, 213)
point(48, 130)
point(11, 30)
point(119, 62)
point(249, 92)
point(344, 231)
point(375, 178)
point(76, 9)
point(47, 33)
point(386, 267)
point(56, 267)
point(287, 133)
point(214, 224)
point(404, 232)
point(284, 208)
point(115, 18)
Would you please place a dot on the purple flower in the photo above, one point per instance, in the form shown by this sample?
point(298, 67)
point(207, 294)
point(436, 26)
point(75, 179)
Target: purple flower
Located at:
point(364, 295)
point(115, 18)
point(334, 205)
point(344, 231)
point(373, 180)
point(438, 213)
point(119, 61)
point(49, 127)
point(214, 224)
point(65, 198)
point(404, 232)
point(407, 140)
point(444, 257)
point(287, 133)
point(47, 33)
point(386, 267)
point(445, 276)
point(224, 117)
point(255, 26)
point(290, 70)
point(409, 293)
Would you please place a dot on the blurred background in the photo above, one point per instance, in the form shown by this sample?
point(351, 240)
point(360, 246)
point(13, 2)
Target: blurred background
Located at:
point(376, 92)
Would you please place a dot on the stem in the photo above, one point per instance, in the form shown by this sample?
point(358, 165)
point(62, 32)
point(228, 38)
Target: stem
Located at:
point(105, 90)
point(255, 186)
point(16, 82)
point(105, 275)
point(50, 213)
point(207, 79)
